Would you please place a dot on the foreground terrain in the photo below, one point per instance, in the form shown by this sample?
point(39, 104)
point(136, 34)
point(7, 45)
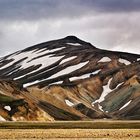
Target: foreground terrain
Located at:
point(79, 130)
point(110, 134)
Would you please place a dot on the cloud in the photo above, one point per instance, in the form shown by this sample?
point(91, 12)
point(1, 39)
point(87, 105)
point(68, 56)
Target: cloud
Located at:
point(104, 31)
point(107, 24)
point(40, 9)
point(115, 5)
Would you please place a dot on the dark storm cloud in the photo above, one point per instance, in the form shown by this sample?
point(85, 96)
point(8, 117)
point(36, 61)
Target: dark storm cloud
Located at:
point(37, 9)
point(115, 5)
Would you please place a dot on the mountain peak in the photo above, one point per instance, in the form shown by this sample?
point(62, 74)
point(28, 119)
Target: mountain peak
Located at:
point(71, 37)
point(74, 39)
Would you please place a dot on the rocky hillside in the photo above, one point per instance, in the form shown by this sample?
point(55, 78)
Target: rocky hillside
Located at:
point(69, 79)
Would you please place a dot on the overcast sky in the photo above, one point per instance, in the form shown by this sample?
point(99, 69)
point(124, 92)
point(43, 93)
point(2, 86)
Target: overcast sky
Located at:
point(107, 24)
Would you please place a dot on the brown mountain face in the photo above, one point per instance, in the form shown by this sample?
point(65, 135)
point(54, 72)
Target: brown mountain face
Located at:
point(69, 79)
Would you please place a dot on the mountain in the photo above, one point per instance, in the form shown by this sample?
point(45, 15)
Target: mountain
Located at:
point(69, 79)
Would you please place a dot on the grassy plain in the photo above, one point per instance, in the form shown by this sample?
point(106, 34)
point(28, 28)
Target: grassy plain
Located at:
point(99, 129)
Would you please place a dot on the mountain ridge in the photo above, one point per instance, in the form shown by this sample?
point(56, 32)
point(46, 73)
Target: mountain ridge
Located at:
point(85, 82)
point(70, 50)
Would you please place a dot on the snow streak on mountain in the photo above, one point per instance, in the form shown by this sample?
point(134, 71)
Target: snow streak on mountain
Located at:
point(57, 61)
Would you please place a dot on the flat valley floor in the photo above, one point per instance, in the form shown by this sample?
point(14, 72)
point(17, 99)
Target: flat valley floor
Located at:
point(59, 130)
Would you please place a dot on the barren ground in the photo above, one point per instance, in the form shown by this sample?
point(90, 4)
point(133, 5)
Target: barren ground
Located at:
point(69, 133)
point(99, 130)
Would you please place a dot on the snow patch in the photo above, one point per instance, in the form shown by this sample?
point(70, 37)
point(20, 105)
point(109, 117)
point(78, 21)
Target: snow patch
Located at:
point(100, 107)
point(42, 60)
point(74, 44)
point(55, 83)
point(96, 72)
point(45, 61)
point(106, 91)
point(68, 102)
point(30, 61)
point(84, 76)
point(80, 77)
point(2, 119)
point(7, 108)
point(20, 76)
point(69, 70)
point(119, 85)
point(57, 49)
point(12, 72)
point(38, 81)
point(105, 59)
point(30, 84)
point(68, 59)
point(125, 105)
point(126, 62)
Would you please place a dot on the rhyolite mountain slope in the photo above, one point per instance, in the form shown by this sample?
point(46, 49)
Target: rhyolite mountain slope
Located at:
point(69, 79)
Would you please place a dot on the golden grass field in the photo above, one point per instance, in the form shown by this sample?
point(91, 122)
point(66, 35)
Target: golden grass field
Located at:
point(78, 130)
